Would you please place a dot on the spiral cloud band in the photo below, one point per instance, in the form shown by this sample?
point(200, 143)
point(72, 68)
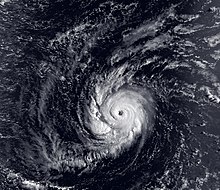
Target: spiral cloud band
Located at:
point(108, 95)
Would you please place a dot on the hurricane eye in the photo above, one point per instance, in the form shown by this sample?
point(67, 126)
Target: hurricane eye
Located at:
point(120, 113)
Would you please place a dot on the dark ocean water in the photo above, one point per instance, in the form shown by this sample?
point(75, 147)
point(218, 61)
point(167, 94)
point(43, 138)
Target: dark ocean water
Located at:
point(111, 95)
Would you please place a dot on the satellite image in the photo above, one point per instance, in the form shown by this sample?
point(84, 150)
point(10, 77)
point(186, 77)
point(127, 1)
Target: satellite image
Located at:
point(109, 95)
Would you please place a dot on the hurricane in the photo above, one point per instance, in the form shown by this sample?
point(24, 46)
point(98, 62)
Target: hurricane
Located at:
point(109, 95)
